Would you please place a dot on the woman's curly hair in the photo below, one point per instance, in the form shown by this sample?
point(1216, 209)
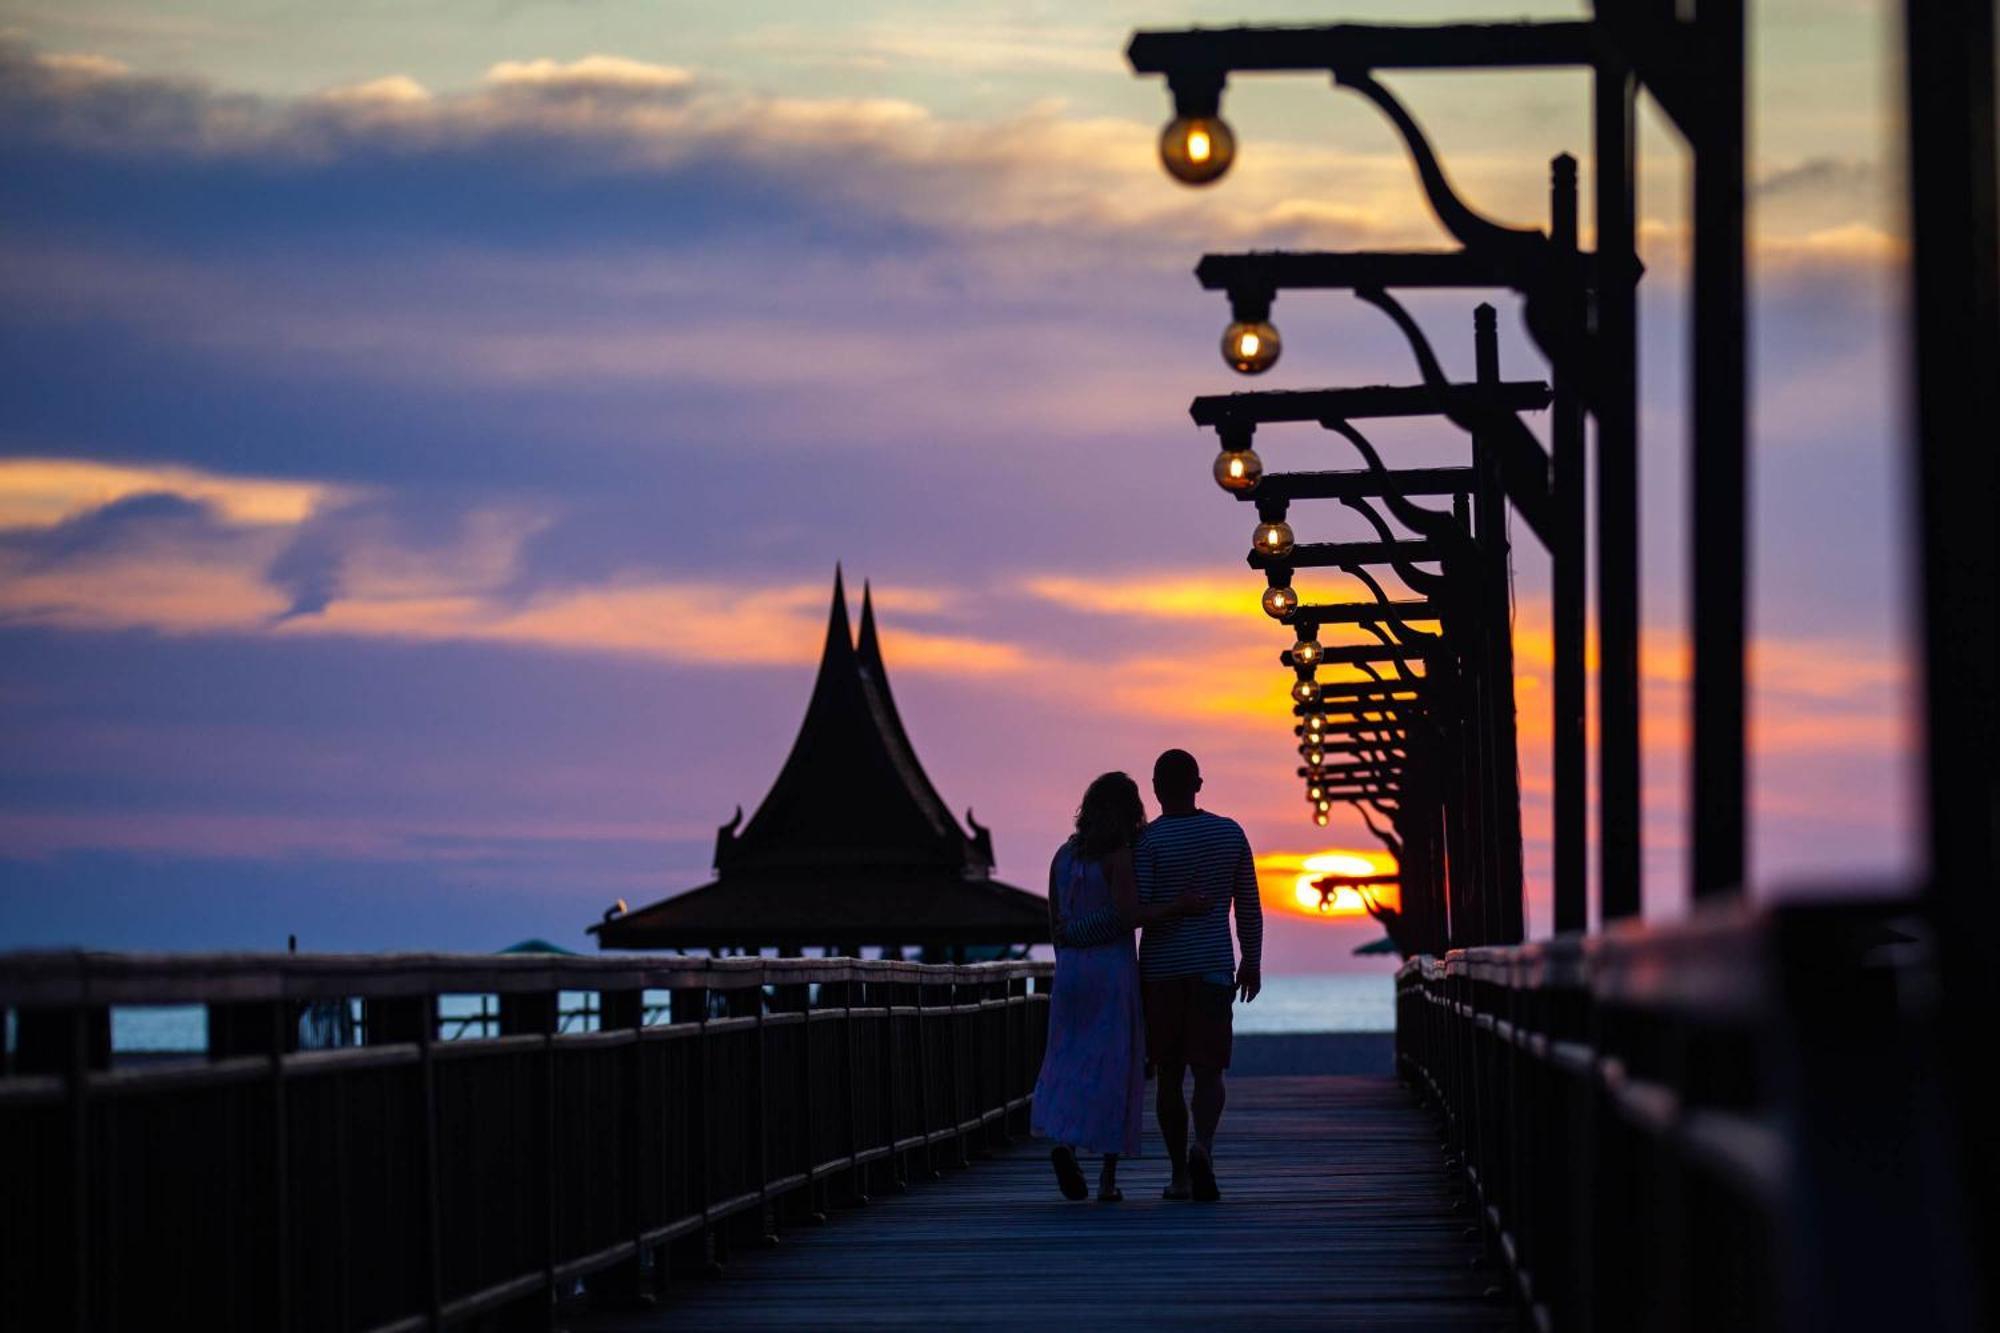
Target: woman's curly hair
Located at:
point(1111, 816)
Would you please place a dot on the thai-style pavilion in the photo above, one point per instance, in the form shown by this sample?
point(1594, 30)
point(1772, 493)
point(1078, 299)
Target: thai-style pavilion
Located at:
point(852, 847)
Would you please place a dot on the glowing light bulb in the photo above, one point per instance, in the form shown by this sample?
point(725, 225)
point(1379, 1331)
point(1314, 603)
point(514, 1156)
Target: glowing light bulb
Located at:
point(1273, 539)
point(1251, 347)
point(1324, 805)
point(1316, 724)
point(1238, 470)
point(1319, 818)
point(1315, 792)
point(1280, 602)
point(1305, 691)
point(1305, 652)
point(1197, 149)
point(1314, 758)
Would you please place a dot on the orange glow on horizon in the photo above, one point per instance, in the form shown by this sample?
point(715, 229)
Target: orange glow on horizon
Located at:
point(1286, 883)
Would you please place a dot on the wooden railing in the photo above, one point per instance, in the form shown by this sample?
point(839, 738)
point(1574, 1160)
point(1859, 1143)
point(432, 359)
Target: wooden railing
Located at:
point(1739, 1122)
point(408, 1182)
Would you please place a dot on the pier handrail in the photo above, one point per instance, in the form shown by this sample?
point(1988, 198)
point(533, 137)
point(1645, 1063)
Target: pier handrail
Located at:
point(1718, 1123)
point(409, 1182)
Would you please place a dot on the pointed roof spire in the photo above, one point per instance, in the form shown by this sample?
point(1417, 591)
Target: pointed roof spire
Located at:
point(852, 791)
point(836, 622)
point(866, 645)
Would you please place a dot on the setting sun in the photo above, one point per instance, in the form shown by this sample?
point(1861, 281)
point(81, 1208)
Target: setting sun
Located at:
point(1289, 881)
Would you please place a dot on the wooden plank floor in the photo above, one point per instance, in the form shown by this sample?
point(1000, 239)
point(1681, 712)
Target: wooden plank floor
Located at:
point(1336, 1213)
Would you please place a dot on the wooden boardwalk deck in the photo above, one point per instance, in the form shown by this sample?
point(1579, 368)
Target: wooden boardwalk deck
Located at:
point(1336, 1213)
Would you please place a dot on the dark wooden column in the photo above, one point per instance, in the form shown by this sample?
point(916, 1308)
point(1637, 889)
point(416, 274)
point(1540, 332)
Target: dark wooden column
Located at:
point(1616, 371)
point(1956, 393)
point(1719, 539)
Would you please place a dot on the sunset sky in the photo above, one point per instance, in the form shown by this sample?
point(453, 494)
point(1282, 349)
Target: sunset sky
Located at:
point(430, 430)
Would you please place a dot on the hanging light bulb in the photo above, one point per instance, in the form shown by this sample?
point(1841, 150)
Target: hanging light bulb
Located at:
point(1251, 347)
point(1273, 539)
point(1316, 723)
point(1319, 818)
point(1280, 602)
point(1324, 805)
point(1238, 470)
point(1305, 690)
point(1305, 652)
point(1196, 149)
point(1315, 792)
point(1315, 757)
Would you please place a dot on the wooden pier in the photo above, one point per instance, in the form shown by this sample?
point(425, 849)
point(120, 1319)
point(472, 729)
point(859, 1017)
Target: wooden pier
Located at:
point(1337, 1212)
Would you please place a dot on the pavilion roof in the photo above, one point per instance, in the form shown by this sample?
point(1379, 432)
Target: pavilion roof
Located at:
point(852, 844)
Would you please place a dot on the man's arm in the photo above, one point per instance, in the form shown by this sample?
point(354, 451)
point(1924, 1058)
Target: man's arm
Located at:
point(1249, 925)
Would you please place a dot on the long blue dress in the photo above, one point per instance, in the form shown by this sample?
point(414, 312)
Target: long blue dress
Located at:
point(1092, 1090)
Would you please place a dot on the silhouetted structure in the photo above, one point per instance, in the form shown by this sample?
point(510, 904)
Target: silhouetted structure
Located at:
point(1770, 1115)
point(852, 847)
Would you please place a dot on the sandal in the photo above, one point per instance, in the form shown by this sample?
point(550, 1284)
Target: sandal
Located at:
point(1069, 1176)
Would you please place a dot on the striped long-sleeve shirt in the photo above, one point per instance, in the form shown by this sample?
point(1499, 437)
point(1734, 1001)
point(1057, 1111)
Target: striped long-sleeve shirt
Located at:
point(1207, 853)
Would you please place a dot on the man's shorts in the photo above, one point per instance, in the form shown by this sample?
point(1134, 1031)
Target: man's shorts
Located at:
point(1187, 1021)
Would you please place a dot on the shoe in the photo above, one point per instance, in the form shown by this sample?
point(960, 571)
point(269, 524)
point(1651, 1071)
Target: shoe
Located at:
point(1069, 1176)
point(1111, 1195)
point(1201, 1174)
point(1176, 1191)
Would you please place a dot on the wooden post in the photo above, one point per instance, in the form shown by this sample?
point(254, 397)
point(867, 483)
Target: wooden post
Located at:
point(392, 1020)
point(71, 1041)
point(622, 1285)
point(1720, 532)
point(538, 1012)
point(1566, 550)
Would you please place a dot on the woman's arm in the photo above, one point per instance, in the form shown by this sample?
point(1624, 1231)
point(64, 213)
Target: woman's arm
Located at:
point(1125, 893)
point(1055, 912)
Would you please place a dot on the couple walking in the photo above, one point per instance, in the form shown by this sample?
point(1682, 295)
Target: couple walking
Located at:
point(1111, 1011)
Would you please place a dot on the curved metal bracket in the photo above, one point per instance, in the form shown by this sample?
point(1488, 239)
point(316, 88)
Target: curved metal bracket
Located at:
point(1529, 259)
point(1523, 463)
point(1431, 523)
point(1404, 634)
point(1389, 840)
point(1403, 671)
point(1421, 581)
point(1525, 247)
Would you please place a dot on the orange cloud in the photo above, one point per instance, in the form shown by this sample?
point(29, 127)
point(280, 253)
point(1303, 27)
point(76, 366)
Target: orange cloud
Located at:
point(41, 492)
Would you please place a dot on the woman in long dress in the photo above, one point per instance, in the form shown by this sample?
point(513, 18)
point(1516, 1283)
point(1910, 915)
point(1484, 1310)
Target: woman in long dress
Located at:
point(1092, 1089)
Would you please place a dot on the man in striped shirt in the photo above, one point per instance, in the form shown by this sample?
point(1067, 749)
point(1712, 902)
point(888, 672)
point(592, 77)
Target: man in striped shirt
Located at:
point(1187, 964)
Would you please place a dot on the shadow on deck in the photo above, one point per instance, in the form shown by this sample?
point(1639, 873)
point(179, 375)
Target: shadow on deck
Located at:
point(1336, 1211)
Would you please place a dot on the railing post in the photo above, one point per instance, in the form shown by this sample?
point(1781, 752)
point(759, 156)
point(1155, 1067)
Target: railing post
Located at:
point(690, 1004)
point(267, 1028)
point(625, 1010)
point(70, 1041)
point(536, 1012)
point(393, 1020)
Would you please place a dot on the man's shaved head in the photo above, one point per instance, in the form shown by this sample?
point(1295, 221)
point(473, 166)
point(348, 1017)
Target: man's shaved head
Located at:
point(1176, 776)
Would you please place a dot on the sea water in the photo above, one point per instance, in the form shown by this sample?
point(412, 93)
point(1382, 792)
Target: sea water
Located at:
point(1322, 1002)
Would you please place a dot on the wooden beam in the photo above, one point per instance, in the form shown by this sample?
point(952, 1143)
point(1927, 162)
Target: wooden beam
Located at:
point(1362, 46)
point(1359, 404)
point(1365, 483)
